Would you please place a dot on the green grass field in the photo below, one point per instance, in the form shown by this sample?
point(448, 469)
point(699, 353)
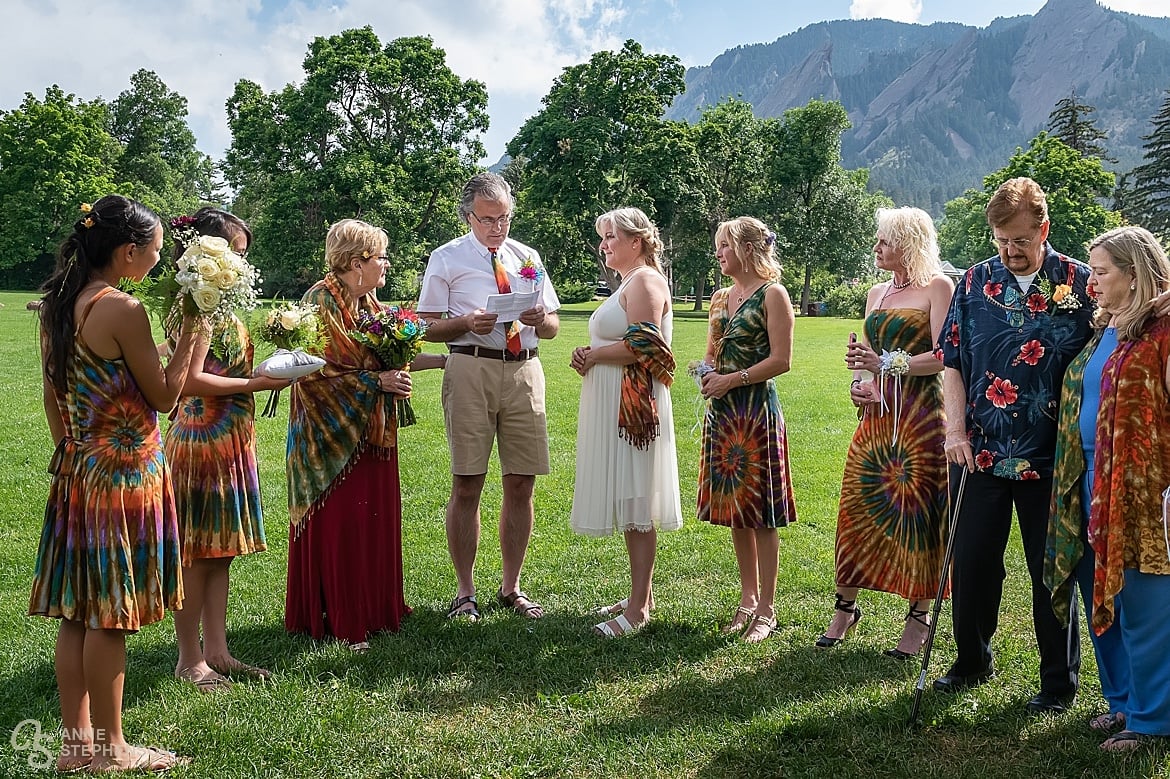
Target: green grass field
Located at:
point(514, 698)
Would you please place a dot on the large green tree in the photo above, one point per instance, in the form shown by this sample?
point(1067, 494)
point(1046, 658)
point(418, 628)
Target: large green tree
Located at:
point(600, 142)
point(821, 213)
point(1075, 186)
point(158, 153)
point(730, 155)
point(55, 154)
point(382, 133)
point(1150, 197)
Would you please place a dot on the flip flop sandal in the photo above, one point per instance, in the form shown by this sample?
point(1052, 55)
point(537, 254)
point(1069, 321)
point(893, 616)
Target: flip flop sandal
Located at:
point(1128, 741)
point(1107, 722)
point(456, 609)
point(212, 682)
point(242, 668)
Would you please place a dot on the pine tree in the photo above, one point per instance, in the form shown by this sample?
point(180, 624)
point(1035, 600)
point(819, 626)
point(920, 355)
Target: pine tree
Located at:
point(1070, 122)
point(1151, 180)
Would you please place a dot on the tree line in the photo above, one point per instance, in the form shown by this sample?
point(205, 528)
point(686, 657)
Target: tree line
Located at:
point(388, 133)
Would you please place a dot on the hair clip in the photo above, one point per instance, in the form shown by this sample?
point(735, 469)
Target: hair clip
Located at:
point(88, 222)
point(366, 254)
point(770, 238)
point(85, 208)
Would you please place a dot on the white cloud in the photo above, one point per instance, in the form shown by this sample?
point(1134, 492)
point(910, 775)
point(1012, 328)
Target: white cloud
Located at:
point(1140, 7)
point(200, 49)
point(897, 10)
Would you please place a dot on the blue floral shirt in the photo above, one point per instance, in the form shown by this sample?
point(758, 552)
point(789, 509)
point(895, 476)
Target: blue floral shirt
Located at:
point(1011, 347)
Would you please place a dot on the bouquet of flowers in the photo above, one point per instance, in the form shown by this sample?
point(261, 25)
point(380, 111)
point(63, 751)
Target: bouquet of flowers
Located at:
point(697, 369)
point(209, 280)
point(893, 366)
point(294, 330)
point(395, 333)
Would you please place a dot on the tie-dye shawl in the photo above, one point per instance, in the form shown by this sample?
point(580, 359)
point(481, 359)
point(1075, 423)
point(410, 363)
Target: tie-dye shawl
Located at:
point(637, 411)
point(1126, 521)
point(338, 412)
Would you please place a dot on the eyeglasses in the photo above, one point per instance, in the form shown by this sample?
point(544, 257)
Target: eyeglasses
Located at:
point(487, 221)
point(1018, 243)
point(378, 258)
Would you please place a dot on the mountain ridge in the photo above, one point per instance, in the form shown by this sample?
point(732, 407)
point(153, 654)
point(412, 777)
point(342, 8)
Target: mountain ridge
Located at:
point(936, 107)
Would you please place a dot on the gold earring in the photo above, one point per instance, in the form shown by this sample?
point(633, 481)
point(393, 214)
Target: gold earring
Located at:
point(359, 277)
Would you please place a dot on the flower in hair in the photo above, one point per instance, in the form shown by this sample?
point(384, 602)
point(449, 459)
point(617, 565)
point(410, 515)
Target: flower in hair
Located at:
point(86, 208)
point(770, 238)
point(88, 222)
point(183, 228)
point(366, 254)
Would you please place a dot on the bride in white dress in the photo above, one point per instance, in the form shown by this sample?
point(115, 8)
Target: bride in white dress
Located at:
point(619, 486)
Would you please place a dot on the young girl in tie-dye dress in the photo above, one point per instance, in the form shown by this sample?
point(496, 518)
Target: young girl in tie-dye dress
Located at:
point(108, 561)
point(211, 447)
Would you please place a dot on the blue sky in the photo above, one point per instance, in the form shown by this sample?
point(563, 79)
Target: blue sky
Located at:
point(517, 47)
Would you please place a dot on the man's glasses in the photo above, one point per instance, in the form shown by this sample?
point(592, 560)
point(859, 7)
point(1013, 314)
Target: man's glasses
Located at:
point(1018, 243)
point(487, 221)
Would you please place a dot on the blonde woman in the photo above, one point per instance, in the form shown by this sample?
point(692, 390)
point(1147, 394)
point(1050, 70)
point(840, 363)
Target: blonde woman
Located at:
point(344, 500)
point(744, 476)
point(893, 494)
point(627, 471)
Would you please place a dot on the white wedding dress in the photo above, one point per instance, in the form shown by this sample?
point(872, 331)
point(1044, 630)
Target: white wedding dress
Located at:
point(620, 487)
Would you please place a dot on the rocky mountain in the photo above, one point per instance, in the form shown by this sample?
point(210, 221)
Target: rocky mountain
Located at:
point(934, 108)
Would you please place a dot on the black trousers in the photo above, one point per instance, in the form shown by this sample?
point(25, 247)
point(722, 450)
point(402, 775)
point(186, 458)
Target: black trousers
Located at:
point(981, 538)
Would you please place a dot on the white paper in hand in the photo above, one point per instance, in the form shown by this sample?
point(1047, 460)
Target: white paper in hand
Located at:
point(289, 365)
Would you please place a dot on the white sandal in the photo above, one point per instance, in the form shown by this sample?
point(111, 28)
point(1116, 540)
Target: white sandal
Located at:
point(616, 627)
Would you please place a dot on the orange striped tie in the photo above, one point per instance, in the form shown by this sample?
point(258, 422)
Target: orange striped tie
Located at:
point(512, 328)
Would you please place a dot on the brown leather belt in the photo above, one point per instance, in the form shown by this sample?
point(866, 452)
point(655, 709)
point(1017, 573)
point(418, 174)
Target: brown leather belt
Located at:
point(493, 354)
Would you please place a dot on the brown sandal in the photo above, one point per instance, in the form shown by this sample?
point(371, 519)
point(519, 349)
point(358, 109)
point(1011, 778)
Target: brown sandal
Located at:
point(521, 604)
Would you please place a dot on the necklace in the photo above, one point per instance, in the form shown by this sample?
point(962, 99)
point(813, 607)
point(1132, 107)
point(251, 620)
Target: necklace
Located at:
point(740, 297)
point(893, 288)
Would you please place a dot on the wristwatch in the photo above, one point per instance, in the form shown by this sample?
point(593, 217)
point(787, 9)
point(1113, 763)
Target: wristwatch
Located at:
point(743, 376)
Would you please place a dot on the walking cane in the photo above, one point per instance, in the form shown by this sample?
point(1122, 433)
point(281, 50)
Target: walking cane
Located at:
point(942, 584)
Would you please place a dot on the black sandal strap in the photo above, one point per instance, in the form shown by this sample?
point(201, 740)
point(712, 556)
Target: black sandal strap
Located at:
point(848, 606)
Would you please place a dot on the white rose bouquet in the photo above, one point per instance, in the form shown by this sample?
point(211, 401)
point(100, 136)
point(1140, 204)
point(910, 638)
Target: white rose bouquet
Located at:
point(209, 280)
point(295, 330)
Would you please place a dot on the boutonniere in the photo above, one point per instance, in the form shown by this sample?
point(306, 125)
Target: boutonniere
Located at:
point(529, 270)
point(1060, 297)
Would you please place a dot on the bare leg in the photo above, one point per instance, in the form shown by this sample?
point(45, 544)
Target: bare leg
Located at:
point(104, 666)
point(215, 603)
point(744, 542)
point(191, 665)
point(463, 530)
point(516, 520)
point(767, 565)
point(641, 548)
point(917, 624)
point(77, 744)
point(842, 619)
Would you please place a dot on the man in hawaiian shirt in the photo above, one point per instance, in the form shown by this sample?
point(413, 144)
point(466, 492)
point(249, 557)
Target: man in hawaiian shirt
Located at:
point(1015, 323)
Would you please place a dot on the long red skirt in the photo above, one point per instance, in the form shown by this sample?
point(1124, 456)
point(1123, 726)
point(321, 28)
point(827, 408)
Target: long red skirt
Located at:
point(345, 567)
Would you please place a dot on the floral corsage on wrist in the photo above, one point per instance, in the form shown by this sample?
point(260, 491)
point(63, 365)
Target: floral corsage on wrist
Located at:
point(697, 369)
point(893, 365)
point(1060, 297)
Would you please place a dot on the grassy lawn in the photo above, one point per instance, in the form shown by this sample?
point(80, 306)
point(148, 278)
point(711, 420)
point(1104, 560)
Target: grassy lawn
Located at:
point(516, 698)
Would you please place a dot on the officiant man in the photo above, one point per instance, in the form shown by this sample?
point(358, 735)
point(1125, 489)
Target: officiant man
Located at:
point(493, 387)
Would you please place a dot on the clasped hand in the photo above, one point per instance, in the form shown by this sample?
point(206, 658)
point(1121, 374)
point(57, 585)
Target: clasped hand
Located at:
point(716, 385)
point(578, 361)
point(397, 382)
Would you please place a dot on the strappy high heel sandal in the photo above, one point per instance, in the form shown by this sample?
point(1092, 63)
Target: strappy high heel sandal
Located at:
point(919, 616)
point(849, 607)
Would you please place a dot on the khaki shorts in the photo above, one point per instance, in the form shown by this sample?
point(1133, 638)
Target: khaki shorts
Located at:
point(485, 400)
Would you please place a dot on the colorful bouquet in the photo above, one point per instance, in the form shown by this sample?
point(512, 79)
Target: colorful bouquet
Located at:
point(395, 334)
point(294, 329)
